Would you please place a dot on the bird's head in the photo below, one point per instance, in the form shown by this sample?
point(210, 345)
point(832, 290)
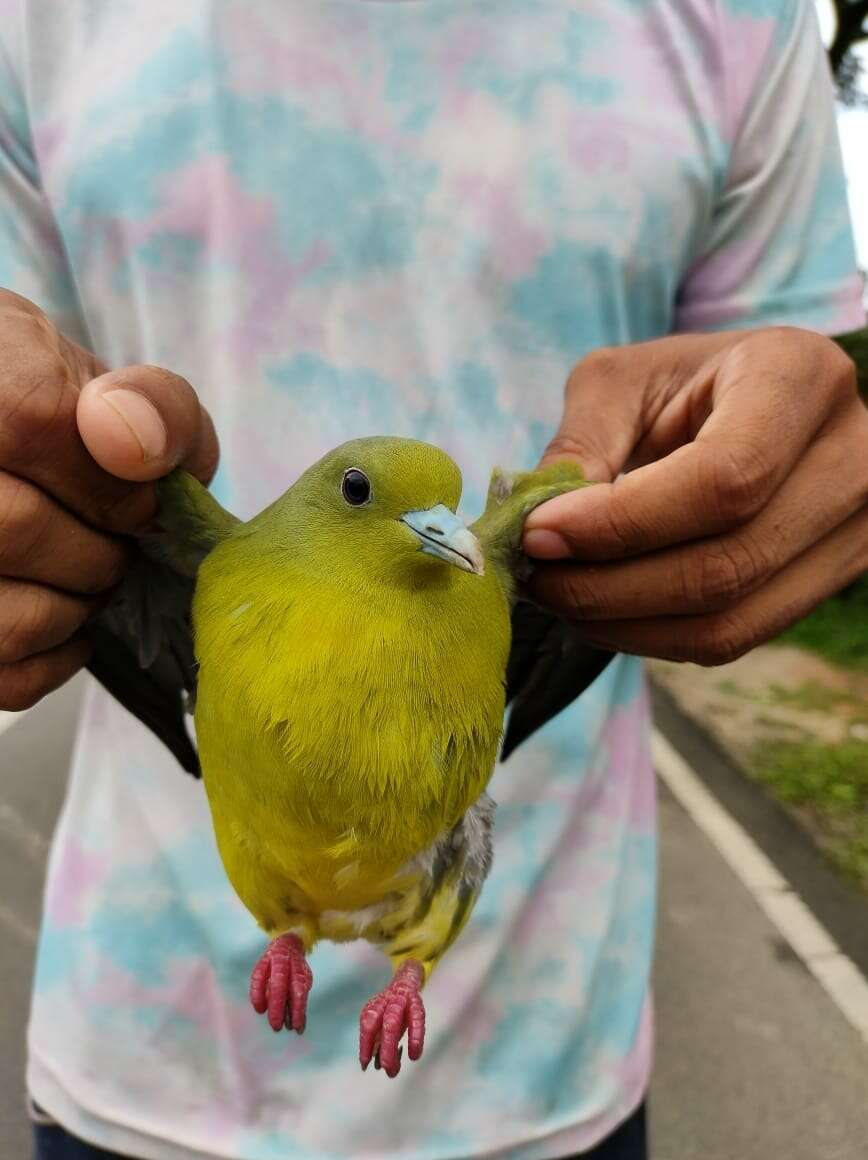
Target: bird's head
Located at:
point(382, 504)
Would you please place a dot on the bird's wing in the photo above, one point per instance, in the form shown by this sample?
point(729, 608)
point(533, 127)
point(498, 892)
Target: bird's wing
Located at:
point(549, 663)
point(511, 499)
point(549, 666)
point(143, 647)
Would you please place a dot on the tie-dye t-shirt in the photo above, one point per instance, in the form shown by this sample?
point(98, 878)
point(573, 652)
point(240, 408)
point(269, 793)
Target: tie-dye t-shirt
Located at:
point(336, 218)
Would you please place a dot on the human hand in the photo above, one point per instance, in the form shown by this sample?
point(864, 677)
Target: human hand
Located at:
point(78, 446)
point(745, 498)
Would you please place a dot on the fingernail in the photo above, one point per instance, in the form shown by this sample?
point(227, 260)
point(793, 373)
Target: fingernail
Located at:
point(142, 419)
point(545, 545)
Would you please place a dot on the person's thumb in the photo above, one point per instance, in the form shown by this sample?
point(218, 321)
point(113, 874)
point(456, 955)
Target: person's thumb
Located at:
point(141, 421)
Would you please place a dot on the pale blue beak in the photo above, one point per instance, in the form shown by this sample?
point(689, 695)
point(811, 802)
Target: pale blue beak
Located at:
point(443, 534)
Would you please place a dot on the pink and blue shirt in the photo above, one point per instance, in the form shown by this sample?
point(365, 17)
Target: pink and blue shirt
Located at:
point(346, 217)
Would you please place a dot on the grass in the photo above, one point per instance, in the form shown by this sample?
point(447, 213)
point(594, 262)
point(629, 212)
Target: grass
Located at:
point(809, 695)
point(829, 783)
point(838, 629)
point(812, 695)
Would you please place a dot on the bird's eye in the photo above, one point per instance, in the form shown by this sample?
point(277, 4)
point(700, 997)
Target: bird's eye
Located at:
point(356, 487)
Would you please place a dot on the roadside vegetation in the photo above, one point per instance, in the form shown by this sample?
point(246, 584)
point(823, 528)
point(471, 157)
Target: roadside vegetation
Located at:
point(838, 629)
point(827, 785)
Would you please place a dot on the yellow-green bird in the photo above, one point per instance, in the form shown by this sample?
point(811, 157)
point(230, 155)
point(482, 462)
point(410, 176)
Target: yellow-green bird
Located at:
point(353, 657)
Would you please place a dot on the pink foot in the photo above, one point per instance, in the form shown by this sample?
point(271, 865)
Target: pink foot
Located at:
point(385, 1018)
point(280, 984)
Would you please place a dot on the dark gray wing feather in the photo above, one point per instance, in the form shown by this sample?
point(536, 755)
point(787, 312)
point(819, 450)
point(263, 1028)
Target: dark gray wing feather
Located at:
point(143, 644)
point(549, 666)
point(143, 652)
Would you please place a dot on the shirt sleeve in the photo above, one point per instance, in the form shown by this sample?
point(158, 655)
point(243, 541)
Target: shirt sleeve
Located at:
point(32, 259)
point(778, 248)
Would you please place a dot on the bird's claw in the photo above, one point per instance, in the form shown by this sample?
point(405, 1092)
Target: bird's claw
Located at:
point(280, 984)
point(378, 1066)
point(385, 1018)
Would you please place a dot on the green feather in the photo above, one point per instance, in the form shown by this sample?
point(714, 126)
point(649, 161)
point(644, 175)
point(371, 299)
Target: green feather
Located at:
point(192, 522)
point(511, 499)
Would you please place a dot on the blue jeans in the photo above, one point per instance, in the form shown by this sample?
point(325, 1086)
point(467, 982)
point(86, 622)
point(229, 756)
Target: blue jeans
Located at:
point(629, 1142)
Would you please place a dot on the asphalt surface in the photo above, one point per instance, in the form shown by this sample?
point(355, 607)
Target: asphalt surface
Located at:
point(33, 757)
point(753, 1059)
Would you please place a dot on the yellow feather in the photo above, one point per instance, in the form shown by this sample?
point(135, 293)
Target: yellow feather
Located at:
point(350, 698)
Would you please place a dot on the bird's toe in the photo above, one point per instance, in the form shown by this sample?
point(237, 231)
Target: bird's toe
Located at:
point(384, 1020)
point(280, 984)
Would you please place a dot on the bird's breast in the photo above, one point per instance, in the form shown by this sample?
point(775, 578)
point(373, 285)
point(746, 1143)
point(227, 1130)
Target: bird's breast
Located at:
point(357, 729)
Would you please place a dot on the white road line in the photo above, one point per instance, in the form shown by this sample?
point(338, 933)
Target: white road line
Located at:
point(838, 975)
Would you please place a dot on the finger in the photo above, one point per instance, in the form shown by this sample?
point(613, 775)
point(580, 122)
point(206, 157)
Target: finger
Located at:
point(140, 422)
point(41, 373)
point(30, 342)
point(745, 448)
point(40, 541)
point(601, 418)
point(719, 637)
point(615, 394)
point(829, 486)
point(41, 376)
point(24, 683)
point(35, 619)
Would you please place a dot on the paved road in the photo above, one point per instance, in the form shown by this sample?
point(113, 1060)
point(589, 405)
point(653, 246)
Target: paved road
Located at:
point(753, 1059)
point(33, 756)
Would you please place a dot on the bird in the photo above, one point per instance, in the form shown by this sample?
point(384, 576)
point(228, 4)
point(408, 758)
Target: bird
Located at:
point(348, 655)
